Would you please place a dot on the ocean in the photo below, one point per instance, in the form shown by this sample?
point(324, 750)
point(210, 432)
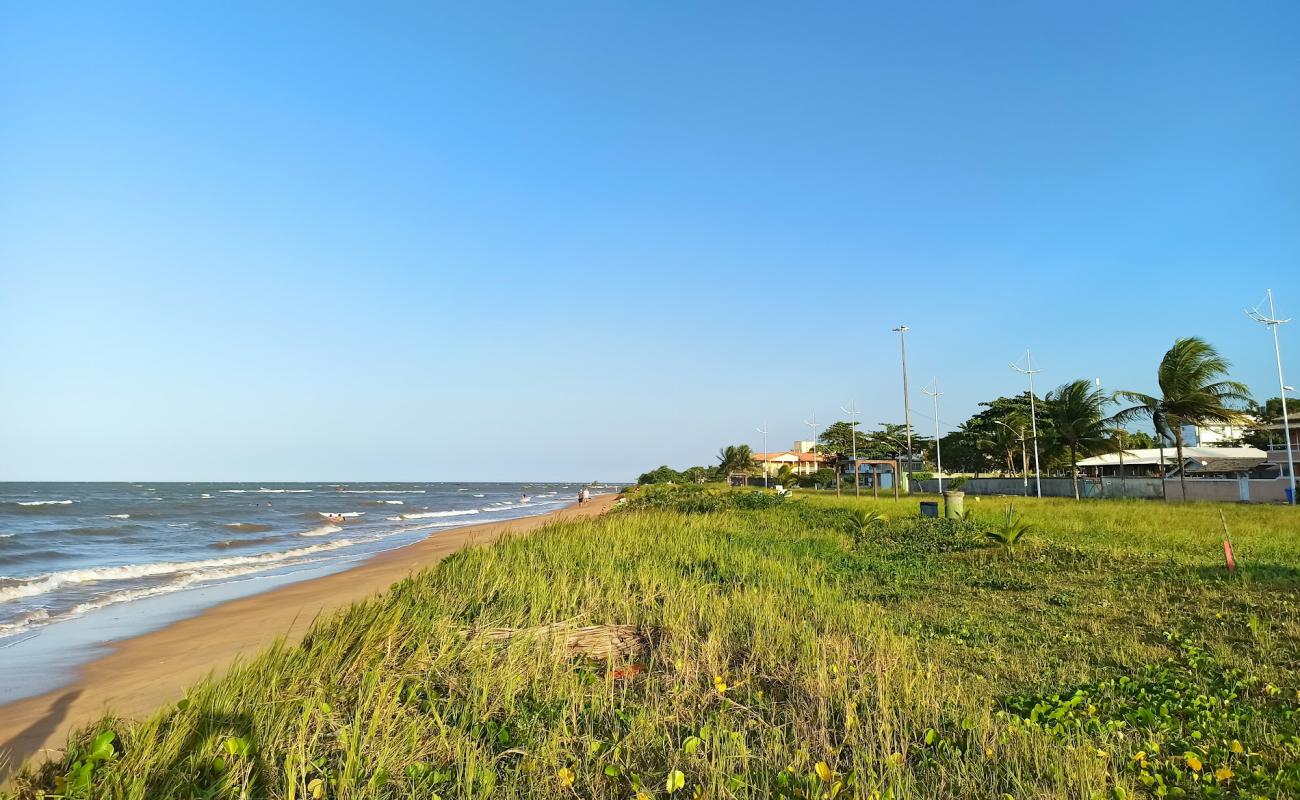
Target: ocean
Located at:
point(84, 564)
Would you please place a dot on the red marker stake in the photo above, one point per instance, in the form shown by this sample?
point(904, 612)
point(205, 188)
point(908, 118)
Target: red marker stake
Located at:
point(1227, 546)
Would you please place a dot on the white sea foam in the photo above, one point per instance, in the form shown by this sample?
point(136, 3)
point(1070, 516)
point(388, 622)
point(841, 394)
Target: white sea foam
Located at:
point(321, 530)
point(284, 491)
point(381, 491)
point(348, 514)
point(206, 496)
point(478, 495)
point(43, 584)
point(118, 516)
point(431, 514)
point(41, 617)
point(46, 502)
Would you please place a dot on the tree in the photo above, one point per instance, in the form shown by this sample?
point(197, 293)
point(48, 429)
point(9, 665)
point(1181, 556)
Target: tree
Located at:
point(1193, 390)
point(1075, 412)
point(695, 474)
point(664, 474)
point(785, 476)
point(838, 437)
point(1136, 440)
point(1268, 413)
point(735, 458)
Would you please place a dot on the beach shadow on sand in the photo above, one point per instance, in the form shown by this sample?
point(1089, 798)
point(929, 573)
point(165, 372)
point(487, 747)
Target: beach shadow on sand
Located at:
point(24, 744)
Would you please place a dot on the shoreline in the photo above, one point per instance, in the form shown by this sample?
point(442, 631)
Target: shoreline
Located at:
point(143, 673)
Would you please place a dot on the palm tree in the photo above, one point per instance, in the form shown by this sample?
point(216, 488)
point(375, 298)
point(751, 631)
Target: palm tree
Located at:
point(735, 458)
point(1193, 391)
point(1074, 410)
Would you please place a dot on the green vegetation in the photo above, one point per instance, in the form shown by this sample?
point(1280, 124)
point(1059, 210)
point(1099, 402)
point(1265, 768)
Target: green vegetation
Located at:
point(818, 647)
point(1193, 390)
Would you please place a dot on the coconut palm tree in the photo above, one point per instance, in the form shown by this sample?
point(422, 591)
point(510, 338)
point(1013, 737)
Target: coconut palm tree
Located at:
point(1193, 391)
point(1074, 410)
point(735, 458)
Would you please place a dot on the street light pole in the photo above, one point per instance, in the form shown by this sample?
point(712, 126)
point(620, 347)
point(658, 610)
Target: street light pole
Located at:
point(763, 430)
point(938, 435)
point(853, 434)
point(1033, 416)
point(1272, 321)
point(902, 330)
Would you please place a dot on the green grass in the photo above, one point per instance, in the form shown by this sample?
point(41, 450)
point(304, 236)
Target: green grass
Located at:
point(799, 650)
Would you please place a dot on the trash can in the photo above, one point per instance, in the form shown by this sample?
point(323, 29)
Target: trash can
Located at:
point(953, 504)
point(1289, 498)
point(929, 509)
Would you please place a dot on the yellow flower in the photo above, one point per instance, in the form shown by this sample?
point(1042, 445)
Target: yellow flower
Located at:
point(823, 771)
point(1193, 762)
point(566, 777)
point(1236, 747)
point(719, 683)
point(1223, 773)
point(895, 760)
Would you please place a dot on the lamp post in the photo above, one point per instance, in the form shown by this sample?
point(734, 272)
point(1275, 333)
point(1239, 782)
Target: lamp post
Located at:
point(1024, 456)
point(1272, 321)
point(852, 411)
point(902, 330)
point(1033, 415)
point(763, 430)
point(938, 451)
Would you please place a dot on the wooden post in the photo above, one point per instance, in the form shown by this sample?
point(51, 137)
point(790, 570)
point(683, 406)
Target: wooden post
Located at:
point(856, 479)
point(875, 481)
point(837, 480)
point(896, 480)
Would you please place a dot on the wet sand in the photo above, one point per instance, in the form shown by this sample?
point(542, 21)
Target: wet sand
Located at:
point(149, 671)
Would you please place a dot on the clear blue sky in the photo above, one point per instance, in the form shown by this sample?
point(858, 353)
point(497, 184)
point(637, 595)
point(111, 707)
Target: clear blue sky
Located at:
point(578, 240)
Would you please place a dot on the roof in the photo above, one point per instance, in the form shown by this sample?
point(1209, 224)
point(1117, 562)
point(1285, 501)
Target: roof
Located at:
point(786, 456)
point(1204, 459)
point(813, 457)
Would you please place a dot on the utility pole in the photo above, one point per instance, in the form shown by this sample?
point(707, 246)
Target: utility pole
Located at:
point(763, 430)
point(1033, 415)
point(938, 435)
point(852, 411)
point(902, 330)
point(1272, 321)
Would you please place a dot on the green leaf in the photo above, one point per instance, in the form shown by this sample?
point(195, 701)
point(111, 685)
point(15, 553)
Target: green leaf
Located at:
point(613, 770)
point(692, 744)
point(676, 780)
point(102, 748)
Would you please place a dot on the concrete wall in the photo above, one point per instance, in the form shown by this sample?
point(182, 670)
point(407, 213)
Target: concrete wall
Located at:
point(1212, 489)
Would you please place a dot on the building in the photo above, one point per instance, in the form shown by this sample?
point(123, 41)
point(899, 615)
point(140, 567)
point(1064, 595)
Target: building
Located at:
point(803, 458)
point(1199, 462)
point(1218, 434)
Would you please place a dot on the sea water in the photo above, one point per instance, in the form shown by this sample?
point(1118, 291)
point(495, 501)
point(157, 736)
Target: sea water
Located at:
point(84, 564)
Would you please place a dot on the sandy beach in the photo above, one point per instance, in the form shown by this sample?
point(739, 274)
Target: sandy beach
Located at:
point(148, 671)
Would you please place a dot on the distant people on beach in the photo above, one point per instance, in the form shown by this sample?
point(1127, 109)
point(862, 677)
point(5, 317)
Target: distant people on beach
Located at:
point(583, 495)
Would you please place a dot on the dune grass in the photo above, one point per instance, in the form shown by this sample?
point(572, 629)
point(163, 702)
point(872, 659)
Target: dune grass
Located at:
point(797, 649)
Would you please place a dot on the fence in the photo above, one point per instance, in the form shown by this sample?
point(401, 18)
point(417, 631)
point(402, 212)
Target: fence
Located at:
point(1232, 490)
